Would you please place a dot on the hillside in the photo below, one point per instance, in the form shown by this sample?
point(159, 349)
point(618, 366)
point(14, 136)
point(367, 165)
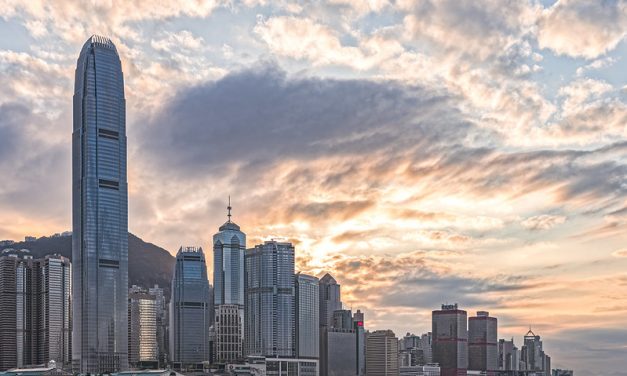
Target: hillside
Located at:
point(148, 264)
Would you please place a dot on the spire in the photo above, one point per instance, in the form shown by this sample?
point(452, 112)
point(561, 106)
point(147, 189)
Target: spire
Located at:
point(229, 209)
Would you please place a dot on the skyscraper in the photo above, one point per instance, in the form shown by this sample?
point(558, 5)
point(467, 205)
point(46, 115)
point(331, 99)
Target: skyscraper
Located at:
point(229, 246)
point(482, 343)
point(450, 340)
point(307, 321)
point(35, 304)
point(382, 353)
point(143, 348)
point(162, 323)
point(54, 304)
point(190, 310)
point(99, 212)
point(270, 300)
point(329, 299)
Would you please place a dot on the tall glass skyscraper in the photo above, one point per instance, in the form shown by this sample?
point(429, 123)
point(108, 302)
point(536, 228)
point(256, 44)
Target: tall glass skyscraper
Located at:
point(269, 314)
point(229, 246)
point(99, 212)
point(307, 321)
point(190, 310)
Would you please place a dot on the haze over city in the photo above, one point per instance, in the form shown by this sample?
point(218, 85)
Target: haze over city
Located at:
point(423, 152)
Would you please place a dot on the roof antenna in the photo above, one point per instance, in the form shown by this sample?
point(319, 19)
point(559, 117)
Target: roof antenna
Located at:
point(229, 209)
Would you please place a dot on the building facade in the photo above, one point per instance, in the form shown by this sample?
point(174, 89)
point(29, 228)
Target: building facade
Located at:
point(329, 302)
point(229, 247)
point(307, 320)
point(162, 321)
point(99, 212)
point(269, 290)
point(190, 310)
point(35, 301)
point(143, 345)
point(450, 340)
point(482, 343)
point(382, 353)
point(341, 356)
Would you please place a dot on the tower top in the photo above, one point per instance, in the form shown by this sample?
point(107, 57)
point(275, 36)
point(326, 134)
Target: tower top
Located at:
point(228, 208)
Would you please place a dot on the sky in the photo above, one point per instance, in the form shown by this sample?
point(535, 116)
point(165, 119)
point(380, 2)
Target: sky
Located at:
point(421, 151)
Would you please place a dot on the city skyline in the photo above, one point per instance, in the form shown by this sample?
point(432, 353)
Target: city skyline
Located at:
point(417, 159)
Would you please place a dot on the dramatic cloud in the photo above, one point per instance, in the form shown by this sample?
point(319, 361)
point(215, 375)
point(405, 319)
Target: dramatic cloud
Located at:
point(582, 28)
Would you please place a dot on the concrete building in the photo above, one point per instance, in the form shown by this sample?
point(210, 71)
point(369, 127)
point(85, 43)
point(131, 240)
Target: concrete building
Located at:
point(228, 333)
point(307, 320)
point(509, 356)
point(482, 343)
point(382, 353)
point(143, 347)
point(269, 296)
point(99, 212)
point(531, 353)
point(416, 350)
point(450, 340)
point(229, 247)
point(35, 302)
point(329, 299)
point(190, 310)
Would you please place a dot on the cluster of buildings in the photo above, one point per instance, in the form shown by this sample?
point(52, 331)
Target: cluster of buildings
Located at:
point(260, 317)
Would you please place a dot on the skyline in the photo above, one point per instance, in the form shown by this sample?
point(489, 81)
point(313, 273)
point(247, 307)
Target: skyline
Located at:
point(392, 151)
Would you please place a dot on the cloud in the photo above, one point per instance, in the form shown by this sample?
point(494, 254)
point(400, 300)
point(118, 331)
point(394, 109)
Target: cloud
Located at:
point(620, 253)
point(582, 28)
point(543, 222)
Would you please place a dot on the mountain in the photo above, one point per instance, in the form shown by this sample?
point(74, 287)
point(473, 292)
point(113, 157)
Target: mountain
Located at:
point(148, 264)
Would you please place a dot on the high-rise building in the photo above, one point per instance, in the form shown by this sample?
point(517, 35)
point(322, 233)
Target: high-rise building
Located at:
point(341, 356)
point(269, 309)
point(360, 337)
point(329, 302)
point(190, 310)
point(532, 353)
point(329, 299)
point(143, 347)
point(54, 305)
point(162, 322)
point(382, 353)
point(450, 340)
point(307, 321)
point(229, 247)
point(35, 302)
point(482, 343)
point(228, 333)
point(343, 319)
point(99, 212)
point(509, 356)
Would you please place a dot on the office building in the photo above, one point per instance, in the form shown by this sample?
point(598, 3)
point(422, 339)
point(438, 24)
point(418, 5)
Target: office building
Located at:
point(35, 301)
point(341, 356)
point(99, 212)
point(423, 370)
point(54, 306)
point(360, 337)
point(269, 292)
point(229, 246)
point(450, 340)
point(562, 372)
point(162, 321)
point(416, 350)
point(329, 299)
point(307, 320)
point(482, 343)
point(509, 356)
point(143, 346)
point(228, 333)
point(343, 319)
point(532, 353)
point(382, 353)
point(190, 310)
point(329, 302)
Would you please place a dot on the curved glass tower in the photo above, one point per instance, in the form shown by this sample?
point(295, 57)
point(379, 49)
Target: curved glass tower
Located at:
point(229, 246)
point(99, 212)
